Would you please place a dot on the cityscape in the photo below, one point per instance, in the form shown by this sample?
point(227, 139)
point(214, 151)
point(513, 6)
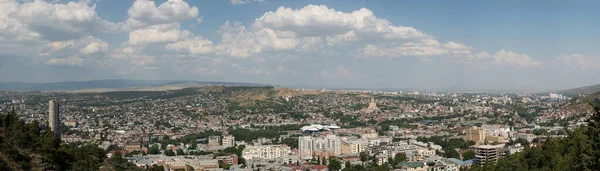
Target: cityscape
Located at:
point(274, 128)
point(303, 85)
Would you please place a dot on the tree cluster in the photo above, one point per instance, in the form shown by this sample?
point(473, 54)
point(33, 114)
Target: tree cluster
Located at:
point(31, 146)
point(579, 151)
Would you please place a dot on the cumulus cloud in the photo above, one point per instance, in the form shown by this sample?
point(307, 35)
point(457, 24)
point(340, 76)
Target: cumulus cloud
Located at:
point(313, 26)
point(163, 33)
point(81, 47)
point(337, 26)
point(145, 12)
point(56, 21)
point(194, 46)
point(237, 41)
point(424, 48)
point(580, 60)
point(504, 57)
point(237, 2)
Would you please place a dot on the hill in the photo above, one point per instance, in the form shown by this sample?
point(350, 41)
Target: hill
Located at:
point(112, 85)
point(581, 104)
point(244, 94)
point(581, 90)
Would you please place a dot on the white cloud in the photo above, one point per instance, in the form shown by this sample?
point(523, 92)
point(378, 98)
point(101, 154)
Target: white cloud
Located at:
point(74, 61)
point(57, 21)
point(83, 47)
point(164, 33)
point(194, 46)
point(237, 41)
point(424, 48)
point(580, 60)
point(145, 12)
point(504, 57)
point(319, 20)
point(95, 47)
point(237, 2)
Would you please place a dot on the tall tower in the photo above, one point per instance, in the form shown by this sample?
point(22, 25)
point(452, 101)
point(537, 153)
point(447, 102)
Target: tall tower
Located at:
point(54, 117)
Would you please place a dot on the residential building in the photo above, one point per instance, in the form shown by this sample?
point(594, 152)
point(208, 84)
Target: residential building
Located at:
point(228, 141)
point(266, 152)
point(319, 145)
point(488, 153)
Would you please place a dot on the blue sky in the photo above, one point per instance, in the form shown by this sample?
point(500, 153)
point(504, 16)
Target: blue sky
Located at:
point(473, 44)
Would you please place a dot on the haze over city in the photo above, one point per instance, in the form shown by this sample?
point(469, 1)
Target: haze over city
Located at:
point(491, 45)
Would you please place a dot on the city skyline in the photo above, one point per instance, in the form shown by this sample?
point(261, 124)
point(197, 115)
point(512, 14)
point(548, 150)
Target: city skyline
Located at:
point(352, 44)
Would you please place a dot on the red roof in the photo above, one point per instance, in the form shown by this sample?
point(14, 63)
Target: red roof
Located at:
point(318, 167)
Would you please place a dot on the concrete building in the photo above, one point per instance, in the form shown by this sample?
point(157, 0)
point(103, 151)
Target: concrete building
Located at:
point(228, 141)
point(54, 117)
point(305, 144)
point(321, 145)
point(488, 153)
point(353, 146)
point(266, 152)
point(214, 140)
point(475, 134)
point(515, 148)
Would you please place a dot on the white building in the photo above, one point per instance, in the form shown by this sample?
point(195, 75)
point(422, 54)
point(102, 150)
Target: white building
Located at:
point(228, 141)
point(328, 145)
point(266, 152)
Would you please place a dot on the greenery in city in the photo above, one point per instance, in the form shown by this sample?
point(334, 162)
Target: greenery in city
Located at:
point(449, 144)
point(579, 151)
point(29, 146)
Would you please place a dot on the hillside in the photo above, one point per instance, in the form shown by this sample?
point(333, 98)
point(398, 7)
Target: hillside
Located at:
point(242, 94)
point(112, 85)
point(581, 90)
point(581, 104)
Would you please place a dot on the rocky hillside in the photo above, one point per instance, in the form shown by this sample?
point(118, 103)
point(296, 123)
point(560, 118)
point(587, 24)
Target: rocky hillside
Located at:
point(581, 90)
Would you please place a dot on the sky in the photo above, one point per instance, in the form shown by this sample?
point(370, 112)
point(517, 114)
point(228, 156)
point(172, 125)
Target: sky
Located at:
point(422, 44)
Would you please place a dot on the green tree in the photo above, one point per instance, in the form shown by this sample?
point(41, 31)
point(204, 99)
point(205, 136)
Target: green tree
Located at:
point(334, 164)
point(363, 156)
point(169, 153)
point(180, 152)
point(468, 155)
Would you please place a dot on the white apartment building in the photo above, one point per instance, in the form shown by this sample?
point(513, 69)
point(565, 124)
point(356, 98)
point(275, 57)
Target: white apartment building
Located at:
point(266, 152)
point(228, 141)
point(328, 145)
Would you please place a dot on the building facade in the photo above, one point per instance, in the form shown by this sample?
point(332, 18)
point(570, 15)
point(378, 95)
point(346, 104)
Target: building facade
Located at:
point(228, 141)
point(488, 153)
point(321, 145)
point(266, 152)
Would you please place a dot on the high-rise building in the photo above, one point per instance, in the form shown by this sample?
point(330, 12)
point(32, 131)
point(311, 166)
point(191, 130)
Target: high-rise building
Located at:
point(305, 147)
point(54, 117)
point(228, 141)
point(328, 145)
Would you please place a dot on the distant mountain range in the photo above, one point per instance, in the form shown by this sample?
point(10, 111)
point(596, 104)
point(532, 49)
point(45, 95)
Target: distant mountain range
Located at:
point(581, 90)
point(111, 84)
